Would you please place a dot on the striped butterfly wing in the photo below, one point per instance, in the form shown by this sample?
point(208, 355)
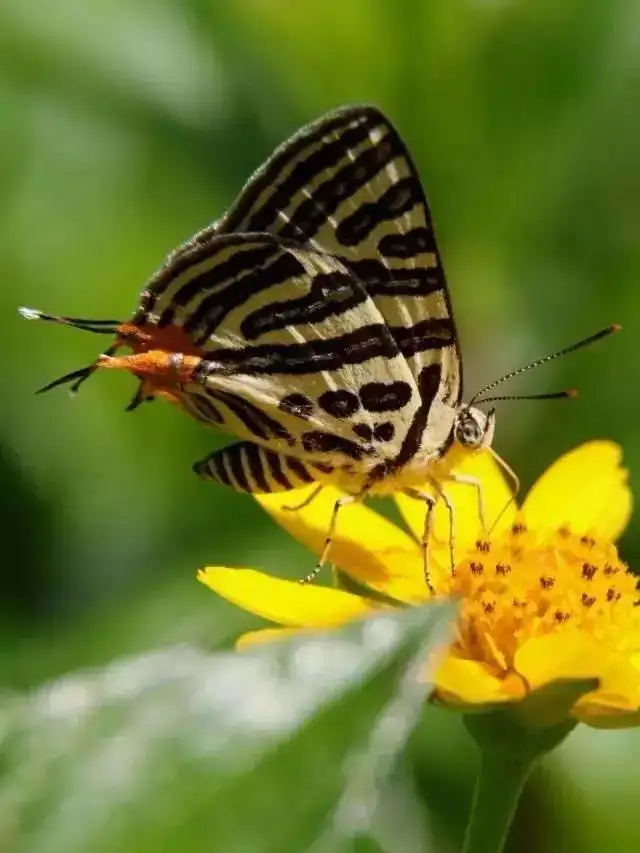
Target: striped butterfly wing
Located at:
point(296, 355)
point(346, 185)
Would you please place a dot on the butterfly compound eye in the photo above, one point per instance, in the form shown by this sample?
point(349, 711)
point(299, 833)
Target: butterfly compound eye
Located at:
point(470, 428)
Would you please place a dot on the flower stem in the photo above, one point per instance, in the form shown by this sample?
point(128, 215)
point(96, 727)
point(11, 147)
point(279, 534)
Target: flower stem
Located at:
point(498, 788)
point(509, 750)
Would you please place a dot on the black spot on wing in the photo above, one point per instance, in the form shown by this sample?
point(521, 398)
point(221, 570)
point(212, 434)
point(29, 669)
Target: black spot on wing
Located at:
point(381, 432)
point(339, 403)
point(317, 441)
point(363, 431)
point(298, 405)
point(384, 431)
point(385, 396)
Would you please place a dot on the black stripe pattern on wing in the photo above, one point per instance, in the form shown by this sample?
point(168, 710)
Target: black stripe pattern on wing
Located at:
point(406, 246)
point(327, 141)
point(379, 280)
point(428, 385)
point(312, 213)
point(330, 295)
point(348, 185)
point(314, 356)
point(431, 334)
point(255, 420)
point(190, 257)
point(248, 467)
point(215, 307)
point(399, 198)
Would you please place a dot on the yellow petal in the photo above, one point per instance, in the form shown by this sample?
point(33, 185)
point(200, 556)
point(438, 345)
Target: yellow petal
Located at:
point(585, 490)
point(616, 703)
point(265, 635)
point(285, 602)
point(366, 545)
point(496, 497)
point(563, 655)
point(466, 682)
point(606, 717)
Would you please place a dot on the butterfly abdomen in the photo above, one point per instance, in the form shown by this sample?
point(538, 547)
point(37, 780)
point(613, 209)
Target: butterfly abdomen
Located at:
point(248, 467)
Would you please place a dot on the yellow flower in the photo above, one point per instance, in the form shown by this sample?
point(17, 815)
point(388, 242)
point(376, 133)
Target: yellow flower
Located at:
point(544, 597)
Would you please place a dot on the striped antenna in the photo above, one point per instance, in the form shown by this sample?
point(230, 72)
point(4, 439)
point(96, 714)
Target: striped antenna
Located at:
point(100, 327)
point(603, 333)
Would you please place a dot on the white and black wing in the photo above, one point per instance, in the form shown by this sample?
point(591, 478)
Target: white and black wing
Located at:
point(296, 355)
point(346, 185)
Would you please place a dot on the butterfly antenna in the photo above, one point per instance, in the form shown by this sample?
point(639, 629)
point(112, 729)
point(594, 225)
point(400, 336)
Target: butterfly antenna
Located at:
point(603, 333)
point(99, 327)
point(570, 393)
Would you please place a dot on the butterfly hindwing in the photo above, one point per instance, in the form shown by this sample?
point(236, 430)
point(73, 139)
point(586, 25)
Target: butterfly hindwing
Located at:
point(297, 356)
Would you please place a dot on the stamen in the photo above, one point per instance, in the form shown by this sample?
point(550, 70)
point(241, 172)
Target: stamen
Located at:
point(589, 571)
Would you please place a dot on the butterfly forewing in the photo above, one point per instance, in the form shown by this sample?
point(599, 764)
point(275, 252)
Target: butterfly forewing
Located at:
point(347, 185)
point(344, 185)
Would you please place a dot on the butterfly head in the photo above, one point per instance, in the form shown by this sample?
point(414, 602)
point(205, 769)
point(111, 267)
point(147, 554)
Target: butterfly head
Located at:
point(473, 428)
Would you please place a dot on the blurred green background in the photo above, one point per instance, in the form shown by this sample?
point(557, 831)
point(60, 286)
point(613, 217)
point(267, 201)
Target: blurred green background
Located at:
point(126, 127)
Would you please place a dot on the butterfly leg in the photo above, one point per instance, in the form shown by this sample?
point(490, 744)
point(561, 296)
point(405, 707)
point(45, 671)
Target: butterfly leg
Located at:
point(310, 497)
point(467, 480)
point(343, 501)
point(444, 497)
point(430, 503)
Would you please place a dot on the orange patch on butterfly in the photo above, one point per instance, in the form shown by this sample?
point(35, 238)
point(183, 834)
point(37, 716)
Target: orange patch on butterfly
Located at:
point(164, 359)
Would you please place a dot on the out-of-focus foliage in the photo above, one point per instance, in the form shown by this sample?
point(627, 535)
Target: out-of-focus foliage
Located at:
point(175, 750)
point(126, 126)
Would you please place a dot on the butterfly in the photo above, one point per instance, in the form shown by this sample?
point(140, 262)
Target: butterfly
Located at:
point(313, 322)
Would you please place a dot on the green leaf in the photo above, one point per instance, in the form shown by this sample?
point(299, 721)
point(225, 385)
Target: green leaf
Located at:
point(283, 748)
